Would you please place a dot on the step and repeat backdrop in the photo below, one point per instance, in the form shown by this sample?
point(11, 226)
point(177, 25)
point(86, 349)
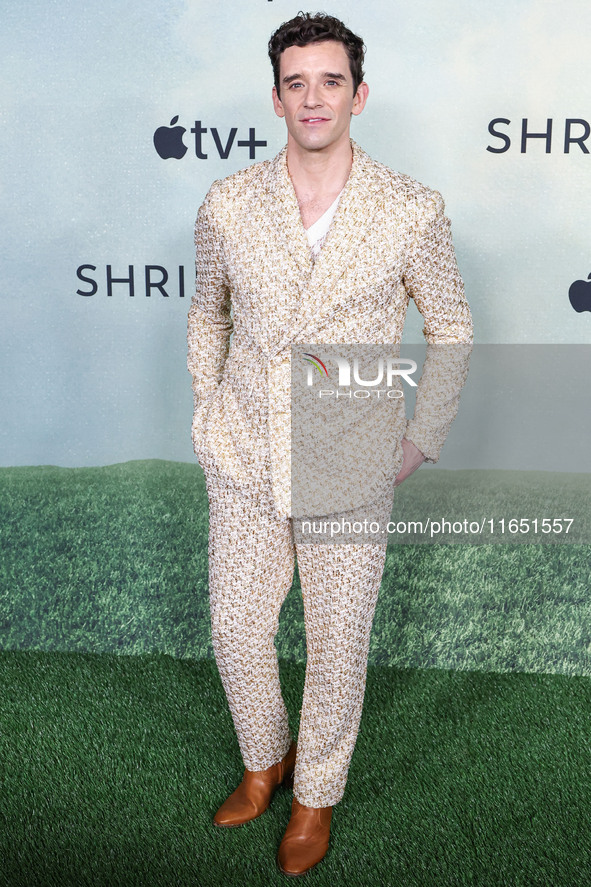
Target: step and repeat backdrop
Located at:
point(116, 118)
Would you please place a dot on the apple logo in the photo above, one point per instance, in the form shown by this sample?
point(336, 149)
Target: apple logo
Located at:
point(580, 295)
point(168, 141)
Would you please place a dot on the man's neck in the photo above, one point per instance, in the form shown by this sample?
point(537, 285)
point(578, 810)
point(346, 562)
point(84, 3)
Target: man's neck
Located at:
point(316, 175)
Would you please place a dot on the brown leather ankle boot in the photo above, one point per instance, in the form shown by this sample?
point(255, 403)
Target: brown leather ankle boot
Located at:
point(253, 795)
point(305, 841)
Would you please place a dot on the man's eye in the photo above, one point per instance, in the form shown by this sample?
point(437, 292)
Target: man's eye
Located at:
point(332, 83)
point(292, 85)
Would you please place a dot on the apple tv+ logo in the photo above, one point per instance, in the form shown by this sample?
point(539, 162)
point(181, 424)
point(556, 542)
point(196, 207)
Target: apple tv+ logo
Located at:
point(580, 295)
point(168, 141)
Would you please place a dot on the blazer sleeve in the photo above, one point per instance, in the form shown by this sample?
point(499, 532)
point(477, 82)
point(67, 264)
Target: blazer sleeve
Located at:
point(210, 322)
point(433, 280)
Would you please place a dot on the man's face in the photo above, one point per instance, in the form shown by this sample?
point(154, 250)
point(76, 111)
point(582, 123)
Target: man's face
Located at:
point(317, 97)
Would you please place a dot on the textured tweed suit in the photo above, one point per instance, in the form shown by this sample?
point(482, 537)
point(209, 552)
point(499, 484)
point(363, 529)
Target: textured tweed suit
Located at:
point(258, 292)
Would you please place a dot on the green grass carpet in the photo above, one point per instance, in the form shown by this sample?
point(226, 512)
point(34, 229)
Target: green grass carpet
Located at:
point(473, 763)
point(114, 559)
point(112, 768)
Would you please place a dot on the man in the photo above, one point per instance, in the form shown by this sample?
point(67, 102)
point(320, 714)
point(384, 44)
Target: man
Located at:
point(320, 245)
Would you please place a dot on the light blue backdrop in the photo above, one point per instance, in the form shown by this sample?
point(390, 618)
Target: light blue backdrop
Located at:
point(98, 380)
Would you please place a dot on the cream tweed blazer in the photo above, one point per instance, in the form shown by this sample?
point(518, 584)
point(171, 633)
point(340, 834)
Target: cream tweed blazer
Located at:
point(259, 291)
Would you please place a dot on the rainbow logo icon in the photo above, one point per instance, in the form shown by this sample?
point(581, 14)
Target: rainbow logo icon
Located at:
point(315, 361)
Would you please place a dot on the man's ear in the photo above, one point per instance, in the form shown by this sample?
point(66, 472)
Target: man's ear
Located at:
point(277, 104)
point(360, 98)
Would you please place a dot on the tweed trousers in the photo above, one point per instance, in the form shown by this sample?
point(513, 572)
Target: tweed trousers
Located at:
point(252, 557)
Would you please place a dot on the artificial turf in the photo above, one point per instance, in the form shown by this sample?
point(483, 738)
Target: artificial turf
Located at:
point(472, 764)
point(113, 766)
point(114, 559)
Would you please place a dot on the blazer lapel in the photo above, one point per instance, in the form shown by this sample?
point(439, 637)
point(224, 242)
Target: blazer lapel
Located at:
point(284, 217)
point(318, 289)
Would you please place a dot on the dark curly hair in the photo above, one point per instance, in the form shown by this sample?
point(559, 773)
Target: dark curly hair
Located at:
point(306, 28)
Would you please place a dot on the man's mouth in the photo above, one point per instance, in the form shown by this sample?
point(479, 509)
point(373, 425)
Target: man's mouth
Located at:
point(314, 119)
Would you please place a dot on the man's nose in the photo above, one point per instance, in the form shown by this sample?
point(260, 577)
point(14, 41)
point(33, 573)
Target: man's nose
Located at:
point(313, 99)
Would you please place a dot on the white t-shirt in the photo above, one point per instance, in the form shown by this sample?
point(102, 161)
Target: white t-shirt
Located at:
point(318, 231)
